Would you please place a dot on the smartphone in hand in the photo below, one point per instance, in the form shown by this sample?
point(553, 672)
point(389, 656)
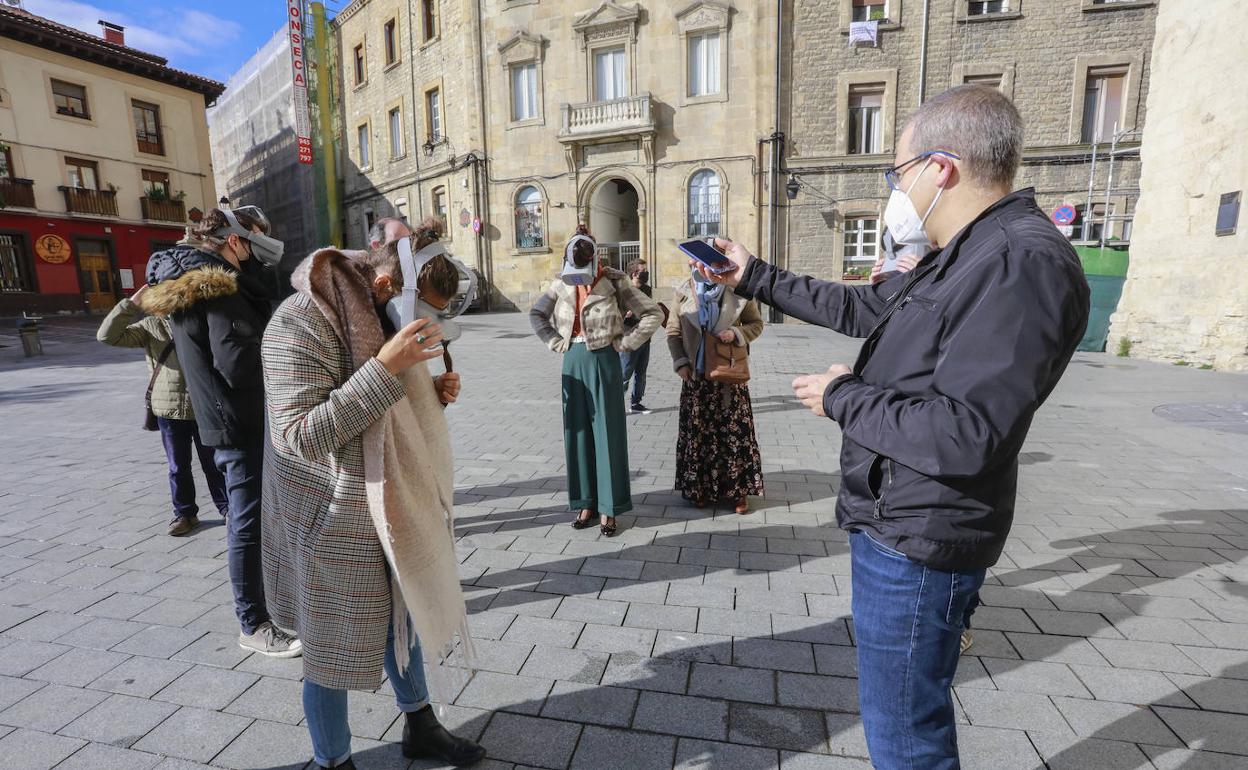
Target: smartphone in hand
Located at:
point(707, 254)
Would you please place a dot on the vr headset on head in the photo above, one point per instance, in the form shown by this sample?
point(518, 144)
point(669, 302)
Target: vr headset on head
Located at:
point(409, 305)
point(265, 248)
point(573, 275)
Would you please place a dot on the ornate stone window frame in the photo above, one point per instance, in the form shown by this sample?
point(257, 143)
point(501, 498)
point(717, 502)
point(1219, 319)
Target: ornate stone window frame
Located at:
point(696, 167)
point(695, 19)
point(513, 198)
point(892, 9)
point(887, 120)
point(608, 25)
point(524, 48)
point(973, 69)
point(1133, 61)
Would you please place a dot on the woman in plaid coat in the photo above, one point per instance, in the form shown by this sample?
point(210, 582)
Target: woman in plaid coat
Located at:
point(334, 392)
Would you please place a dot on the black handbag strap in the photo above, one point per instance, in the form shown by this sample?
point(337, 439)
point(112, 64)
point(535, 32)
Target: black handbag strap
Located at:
point(151, 384)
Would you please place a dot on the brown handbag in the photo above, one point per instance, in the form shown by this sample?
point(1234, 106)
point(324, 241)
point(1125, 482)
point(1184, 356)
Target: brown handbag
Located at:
point(726, 362)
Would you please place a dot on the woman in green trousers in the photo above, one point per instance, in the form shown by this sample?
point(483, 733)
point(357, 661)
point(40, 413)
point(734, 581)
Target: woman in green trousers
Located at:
point(582, 316)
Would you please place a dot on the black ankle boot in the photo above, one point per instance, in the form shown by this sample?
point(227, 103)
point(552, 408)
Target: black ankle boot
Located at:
point(425, 738)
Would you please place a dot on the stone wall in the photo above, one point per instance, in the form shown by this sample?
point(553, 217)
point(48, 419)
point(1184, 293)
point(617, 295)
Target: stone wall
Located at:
point(1041, 50)
point(1186, 295)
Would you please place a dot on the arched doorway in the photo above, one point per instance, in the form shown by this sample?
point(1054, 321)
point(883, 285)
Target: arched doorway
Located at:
point(615, 222)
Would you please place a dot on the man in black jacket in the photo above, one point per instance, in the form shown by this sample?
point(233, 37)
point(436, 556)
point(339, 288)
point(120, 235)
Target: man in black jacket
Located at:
point(217, 310)
point(959, 354)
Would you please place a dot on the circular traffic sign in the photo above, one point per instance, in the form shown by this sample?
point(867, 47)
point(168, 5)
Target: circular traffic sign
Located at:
point(1064, 215)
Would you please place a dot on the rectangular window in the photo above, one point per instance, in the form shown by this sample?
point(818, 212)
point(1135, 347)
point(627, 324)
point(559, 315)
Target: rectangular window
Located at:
point(70, 99)
point(861, 237)
point(15, 268)
point(524, 91)
point(704, 64)
point(396, 133)
point(1102, 104)
point(155, 184)
point(433, 114)
point(870, 10)
point(609, 79)
point(359, 64)
point(985, 7)
point(391, 44)
point(147, 127)
point(366, 157)
point(429, 15)
point(865, 123)
point(439, 203)
point(1228, 213)
point(84, 174)
point(992, 81)
point(6, 164)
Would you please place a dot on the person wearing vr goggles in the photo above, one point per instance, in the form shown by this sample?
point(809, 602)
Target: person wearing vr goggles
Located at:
point(582, 316)
point(359, 539)
point(217, 306)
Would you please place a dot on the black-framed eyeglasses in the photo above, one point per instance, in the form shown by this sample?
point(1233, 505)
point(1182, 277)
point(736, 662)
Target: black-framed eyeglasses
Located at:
point(893, 175)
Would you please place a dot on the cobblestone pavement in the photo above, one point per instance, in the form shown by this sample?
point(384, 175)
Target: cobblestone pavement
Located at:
point(1114, 632)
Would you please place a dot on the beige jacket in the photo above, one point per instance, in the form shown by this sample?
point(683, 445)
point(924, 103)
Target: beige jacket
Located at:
point(126, 327)
point(684, 332)
point(602, 315)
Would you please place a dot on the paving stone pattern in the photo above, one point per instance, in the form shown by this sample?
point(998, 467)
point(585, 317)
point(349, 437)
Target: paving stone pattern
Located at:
point(1114, 631)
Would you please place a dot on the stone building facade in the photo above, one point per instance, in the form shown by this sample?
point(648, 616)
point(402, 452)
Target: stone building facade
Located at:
point(653, 122)
point(1186, 295)
point(643, 122)
point(1073, 67)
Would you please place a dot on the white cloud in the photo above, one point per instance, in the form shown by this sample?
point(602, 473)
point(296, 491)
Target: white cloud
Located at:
point(185, 37)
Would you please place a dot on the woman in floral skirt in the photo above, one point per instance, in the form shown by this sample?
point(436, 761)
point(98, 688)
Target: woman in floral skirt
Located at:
point(717, 455)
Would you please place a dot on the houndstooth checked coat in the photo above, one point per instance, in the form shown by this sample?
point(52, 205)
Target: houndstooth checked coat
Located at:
point(325, 573)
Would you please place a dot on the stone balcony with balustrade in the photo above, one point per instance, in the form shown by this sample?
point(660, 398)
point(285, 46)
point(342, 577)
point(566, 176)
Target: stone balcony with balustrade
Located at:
point(613, 120)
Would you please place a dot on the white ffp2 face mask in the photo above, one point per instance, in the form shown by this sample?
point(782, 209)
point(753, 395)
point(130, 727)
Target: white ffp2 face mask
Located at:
point(903, 221)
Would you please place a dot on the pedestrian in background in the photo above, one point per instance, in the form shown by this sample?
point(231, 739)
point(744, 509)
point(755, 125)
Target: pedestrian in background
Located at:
point(717, 455)
point(581, 316)
point(167, 398)
point(636, 362)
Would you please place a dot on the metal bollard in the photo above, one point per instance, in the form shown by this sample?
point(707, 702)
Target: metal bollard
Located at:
point(28, 329)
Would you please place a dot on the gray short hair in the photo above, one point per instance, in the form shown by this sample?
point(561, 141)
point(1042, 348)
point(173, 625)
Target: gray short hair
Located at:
point(377, 233)
point(977, 123)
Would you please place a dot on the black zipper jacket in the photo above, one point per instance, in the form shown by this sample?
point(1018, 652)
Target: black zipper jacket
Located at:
point(959, 355)
point(217, 314)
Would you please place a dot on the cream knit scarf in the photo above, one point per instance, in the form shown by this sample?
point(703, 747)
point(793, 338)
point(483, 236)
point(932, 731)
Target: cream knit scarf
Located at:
point(409, 478)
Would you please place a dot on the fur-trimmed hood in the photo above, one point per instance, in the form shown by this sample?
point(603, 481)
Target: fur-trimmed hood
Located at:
point(182, 276)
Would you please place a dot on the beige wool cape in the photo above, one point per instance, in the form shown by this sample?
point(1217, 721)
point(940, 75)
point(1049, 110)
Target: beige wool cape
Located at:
point(358, 488)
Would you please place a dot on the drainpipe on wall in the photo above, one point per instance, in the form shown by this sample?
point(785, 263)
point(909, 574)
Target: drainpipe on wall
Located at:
point(480, 176)
point(927, 7)
point(777, 145)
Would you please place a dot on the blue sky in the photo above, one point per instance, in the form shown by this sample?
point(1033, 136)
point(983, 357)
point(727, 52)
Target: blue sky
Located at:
point(209, 39)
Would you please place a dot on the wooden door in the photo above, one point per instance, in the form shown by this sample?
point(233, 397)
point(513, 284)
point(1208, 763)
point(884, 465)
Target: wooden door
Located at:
point(95, 271)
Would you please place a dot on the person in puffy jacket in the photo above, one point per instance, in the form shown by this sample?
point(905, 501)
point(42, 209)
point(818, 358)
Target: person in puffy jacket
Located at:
point(127, 327)
point(211, 291)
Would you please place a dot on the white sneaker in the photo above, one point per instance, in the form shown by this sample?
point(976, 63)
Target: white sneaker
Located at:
point(967, 641)
point(272, 641)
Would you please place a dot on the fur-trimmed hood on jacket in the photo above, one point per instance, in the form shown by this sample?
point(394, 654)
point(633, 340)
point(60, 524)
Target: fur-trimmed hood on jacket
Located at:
point(182, 276)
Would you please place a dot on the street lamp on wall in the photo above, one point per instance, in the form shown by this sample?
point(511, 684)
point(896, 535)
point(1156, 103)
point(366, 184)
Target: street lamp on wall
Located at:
point(792, 187)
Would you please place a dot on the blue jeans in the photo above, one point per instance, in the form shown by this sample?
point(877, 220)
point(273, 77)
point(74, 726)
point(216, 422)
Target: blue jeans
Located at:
point(326, 709)
point(634, 365)
point(179, 436)
point(241, 467)
point(908, 622)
